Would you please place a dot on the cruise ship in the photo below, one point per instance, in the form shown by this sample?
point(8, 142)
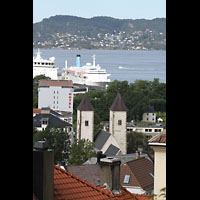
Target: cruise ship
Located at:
point(44, 67)
point(88, 74)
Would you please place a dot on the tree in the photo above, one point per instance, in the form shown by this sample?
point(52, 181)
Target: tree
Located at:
point(134, 140)
point(57, 139)
point(81, 151)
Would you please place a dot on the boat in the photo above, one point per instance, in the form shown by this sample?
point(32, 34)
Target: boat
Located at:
point(88, 74)
point(44, 67)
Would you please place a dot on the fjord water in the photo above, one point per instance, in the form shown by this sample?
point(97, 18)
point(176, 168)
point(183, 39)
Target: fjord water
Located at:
point(121, 64)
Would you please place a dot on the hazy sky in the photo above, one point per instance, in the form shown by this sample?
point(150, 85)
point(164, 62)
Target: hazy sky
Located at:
point(122, 9)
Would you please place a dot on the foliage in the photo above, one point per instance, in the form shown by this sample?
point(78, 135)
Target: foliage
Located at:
point(57, 139)
point(81, 151)
point(135, 140)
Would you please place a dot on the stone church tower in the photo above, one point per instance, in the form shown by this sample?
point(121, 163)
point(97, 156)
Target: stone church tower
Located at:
point(118, 118)
point(85, 119)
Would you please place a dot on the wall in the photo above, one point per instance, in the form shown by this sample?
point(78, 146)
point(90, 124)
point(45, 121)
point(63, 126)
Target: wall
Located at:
point(119, 131)
point(57, 98)
point(159, 168)
point(83, 131)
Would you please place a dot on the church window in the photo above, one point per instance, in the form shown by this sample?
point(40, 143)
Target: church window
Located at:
point(86, 123)
point(119, 122)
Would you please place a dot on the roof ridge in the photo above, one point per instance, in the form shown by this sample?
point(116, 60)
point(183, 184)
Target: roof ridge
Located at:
point(83, 181)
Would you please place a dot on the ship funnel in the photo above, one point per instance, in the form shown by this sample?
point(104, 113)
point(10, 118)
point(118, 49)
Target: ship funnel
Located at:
point(78, 60)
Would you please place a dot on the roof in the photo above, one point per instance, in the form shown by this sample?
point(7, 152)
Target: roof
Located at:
point(100, 138)
point(159, 139)
point(139, 171)
point(70, 187)
point(150, 109)
point(112, 150)
point(36, 110)
point(118, 104)
point(52, 121)
point(58, 83)
point(90, 173)
point(85, 104)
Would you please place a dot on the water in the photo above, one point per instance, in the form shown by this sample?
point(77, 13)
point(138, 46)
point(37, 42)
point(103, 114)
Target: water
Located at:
point(121, 64)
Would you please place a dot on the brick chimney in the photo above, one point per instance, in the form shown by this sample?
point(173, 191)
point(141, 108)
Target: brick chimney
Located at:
point(43, 171)
point(110, 173)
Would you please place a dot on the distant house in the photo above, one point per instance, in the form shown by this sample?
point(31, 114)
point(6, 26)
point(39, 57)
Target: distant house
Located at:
point(148, 130)
point(158, 143)
point(64, 115)
point(149, 115)
point(46, 118)
point(137, 176)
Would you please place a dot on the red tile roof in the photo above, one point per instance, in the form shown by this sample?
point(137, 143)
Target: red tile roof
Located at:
point(70, 187)
point(159, 138)
point(36, 110)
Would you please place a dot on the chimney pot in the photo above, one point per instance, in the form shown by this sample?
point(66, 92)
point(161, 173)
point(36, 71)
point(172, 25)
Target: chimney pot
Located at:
point(41, 145)
point(137, 154)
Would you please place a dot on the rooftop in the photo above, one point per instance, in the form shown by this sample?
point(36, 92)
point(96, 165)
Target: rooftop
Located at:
point(70, 187)
point(118, 104)
point(58, 83)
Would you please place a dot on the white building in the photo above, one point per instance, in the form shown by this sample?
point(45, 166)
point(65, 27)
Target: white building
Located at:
point(149, 115)
point(85, 119)
point(56, 94)
point(118, 118)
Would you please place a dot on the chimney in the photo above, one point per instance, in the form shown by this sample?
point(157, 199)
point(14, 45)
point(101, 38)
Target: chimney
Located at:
point(137, 154)
point(99, 156)
point(43, 171)
point(110, 173)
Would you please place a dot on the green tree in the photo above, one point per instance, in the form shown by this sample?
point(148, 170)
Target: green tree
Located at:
point(81, 151)
point(134, 140)
point(57, 139)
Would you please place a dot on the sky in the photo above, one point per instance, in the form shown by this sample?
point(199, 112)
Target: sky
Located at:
point(121, 9)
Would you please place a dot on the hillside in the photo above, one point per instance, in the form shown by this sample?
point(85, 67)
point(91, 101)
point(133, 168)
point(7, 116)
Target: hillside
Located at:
point(71, 32)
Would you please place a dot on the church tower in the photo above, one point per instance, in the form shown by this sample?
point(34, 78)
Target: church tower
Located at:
point(85, 119)
point(118, 118)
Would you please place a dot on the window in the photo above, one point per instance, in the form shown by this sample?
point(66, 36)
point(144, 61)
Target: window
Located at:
point(119, 122)
point(86, 123)
point(150, 130)
point(147, 118)
point(126, 178)
point(146, 130)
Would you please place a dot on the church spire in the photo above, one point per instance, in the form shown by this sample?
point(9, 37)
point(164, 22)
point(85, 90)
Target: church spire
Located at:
point(118, 104)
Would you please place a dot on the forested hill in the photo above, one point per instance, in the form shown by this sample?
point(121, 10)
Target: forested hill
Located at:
point(65, 31)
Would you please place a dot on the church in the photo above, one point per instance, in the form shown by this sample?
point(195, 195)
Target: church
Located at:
point(110, 143)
